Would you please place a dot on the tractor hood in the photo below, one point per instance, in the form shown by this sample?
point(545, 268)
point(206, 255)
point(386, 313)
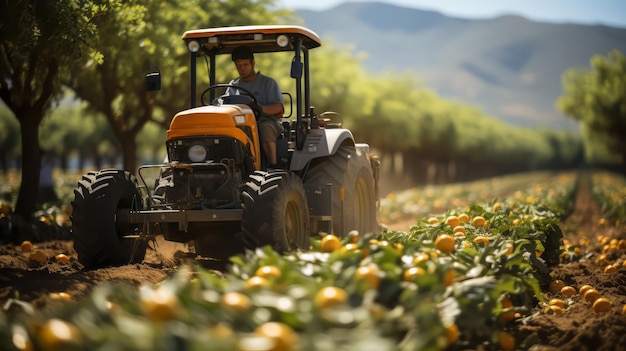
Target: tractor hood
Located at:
point(227, 120)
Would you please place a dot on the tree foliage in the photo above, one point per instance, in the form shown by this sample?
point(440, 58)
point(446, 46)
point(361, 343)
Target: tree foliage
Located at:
point(404, 121)
point(596, 98)
point(396, 114)
point(140, 36)
point(39, 42)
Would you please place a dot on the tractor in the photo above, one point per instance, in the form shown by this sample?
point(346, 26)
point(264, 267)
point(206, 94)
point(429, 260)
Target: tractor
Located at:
point(213, 188)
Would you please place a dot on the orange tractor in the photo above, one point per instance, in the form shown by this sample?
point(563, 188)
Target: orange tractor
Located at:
point(213, 189)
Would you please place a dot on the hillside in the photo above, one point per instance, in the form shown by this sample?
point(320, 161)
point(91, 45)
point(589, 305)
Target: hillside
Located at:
point(509, 66)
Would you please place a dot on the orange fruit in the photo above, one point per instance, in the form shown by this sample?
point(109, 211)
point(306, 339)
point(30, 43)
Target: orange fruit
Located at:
point(60, 296)
point(624, 310)
point(481, 240)
point(478, 221)
point(463, 217)
point(57, 335)
point(453, 221)
point(568, 291)
point(62, 258)
point(602, 305)
point(256, 282)
point(556, 286)
point(268, 272)
point(583, 289)
point(283, 336)
point(353, 236)
point(412, 272)
point(553, 309)
point(496, 207)
point(399, 247)
point(452, 332)
point(330, 296)
point(421, 257)
point(26, 246)
point(507, 316)
point(459, 229)
point(509, 250)
point(368, 274)
point(557, 302)
point(433, 220)
point(236, 301)
point(330, 243)
point(160, 305)
point(445, 243)
point(448, 277)
point(506, 341)
point(351, 247)
point(591, 295)
point(610, 269)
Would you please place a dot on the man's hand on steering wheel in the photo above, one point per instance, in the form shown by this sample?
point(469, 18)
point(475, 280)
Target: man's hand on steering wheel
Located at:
point(256, 108)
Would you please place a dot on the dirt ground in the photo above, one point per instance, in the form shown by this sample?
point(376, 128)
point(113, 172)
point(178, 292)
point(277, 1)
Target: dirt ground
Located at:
point(578, 328)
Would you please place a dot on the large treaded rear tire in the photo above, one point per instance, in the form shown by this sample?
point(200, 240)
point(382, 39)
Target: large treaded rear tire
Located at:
point(98, 237)
point(350, 168)
point(275, 212)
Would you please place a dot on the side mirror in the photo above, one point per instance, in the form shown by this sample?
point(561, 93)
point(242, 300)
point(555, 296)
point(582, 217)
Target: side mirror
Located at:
point(153, 81)
point(296, 69)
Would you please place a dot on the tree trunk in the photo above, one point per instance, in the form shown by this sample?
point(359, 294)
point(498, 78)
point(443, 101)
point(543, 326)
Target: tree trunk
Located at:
point(129, 147)
point(31, 167)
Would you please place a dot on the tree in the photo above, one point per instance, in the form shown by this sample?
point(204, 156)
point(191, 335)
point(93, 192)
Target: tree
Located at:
point(596, 98)
point(139, 36)
point(39, 42)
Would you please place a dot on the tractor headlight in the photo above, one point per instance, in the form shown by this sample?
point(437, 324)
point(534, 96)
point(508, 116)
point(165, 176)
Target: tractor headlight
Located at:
point(197, 153)
point(193, 45)
point(282, 40)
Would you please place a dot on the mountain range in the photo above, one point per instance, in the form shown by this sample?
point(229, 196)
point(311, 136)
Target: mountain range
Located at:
point(508, 66)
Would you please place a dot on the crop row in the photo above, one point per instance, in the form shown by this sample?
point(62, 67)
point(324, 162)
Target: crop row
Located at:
point(609, 191)
point(456, 278)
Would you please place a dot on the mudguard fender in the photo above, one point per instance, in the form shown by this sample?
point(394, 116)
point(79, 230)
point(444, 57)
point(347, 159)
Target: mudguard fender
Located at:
point(320, 143)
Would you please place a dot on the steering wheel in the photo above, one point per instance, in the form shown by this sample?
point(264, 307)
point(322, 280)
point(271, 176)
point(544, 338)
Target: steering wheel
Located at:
point(246, 98)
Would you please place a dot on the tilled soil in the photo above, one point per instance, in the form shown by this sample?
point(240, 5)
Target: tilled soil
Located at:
point(580, 327)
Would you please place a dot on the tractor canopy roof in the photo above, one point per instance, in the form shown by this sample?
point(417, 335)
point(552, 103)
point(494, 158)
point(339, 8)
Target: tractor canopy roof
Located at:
point(261, 38)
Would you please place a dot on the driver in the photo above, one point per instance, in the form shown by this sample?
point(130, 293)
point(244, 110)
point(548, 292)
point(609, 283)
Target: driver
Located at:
point(267, 93)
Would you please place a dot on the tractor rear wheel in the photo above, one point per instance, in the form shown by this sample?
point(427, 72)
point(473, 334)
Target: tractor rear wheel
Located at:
point(98, 236)
point(275, 212)
point(350, 169)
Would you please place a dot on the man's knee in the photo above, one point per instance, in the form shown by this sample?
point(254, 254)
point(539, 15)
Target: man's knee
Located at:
point(269, 131)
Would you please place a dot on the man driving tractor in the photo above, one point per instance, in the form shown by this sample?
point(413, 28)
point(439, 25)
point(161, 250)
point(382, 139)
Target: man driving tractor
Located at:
point(267, 93)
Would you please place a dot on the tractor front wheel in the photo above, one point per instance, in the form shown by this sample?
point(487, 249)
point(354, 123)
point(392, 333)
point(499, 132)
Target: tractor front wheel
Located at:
point(99, 238)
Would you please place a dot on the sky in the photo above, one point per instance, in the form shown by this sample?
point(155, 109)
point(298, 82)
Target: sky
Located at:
point(607, 12)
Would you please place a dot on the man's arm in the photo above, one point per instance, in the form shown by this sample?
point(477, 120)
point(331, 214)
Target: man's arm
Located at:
point(274, 94)
point(275, 108)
